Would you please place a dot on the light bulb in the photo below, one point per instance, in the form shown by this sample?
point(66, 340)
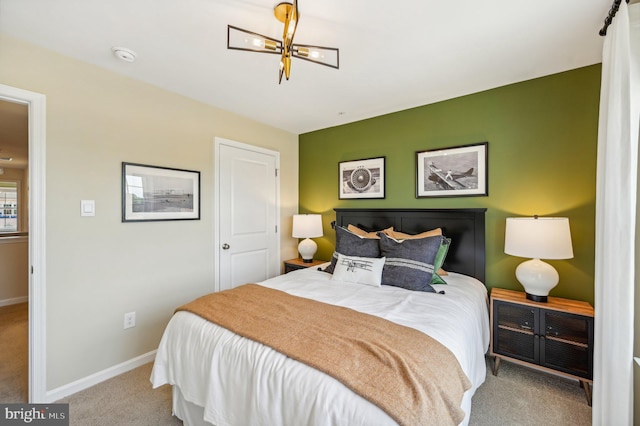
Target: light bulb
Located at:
point(261, 43)
point(291, 28)
point(255, 42)
point(308, 53)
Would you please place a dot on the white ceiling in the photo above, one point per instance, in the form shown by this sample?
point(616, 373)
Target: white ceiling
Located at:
point(393, 55)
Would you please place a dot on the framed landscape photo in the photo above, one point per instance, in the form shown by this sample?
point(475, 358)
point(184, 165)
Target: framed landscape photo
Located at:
point(452, 172)
point(362, 178)
point(151, 193)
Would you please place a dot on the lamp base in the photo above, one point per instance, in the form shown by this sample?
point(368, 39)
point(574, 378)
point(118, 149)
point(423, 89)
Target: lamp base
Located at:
point(535, 298)
point(307, 248)
point(537, 278)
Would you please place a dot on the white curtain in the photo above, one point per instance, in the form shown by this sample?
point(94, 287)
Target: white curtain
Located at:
point(616, 191)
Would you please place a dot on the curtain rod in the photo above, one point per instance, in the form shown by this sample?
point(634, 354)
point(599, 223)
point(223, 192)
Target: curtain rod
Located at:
point(609, 18)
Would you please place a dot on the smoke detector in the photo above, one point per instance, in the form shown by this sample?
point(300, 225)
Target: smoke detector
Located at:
point(124, 54)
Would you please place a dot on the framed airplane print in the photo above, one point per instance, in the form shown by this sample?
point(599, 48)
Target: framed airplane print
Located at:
point(362, 178)
point(453, 172)
point(151, 193)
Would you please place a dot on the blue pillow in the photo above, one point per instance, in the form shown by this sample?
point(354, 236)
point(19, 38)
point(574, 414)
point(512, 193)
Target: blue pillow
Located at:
point(350, 244)
point(409, 263)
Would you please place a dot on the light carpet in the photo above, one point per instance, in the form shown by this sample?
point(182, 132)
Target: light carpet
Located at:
point(14, 335)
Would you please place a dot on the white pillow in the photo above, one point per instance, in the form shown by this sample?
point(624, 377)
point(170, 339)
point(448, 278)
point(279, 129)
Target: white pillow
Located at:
point(361, 270)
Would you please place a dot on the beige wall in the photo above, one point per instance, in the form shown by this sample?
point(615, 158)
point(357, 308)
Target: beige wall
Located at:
point(99, 268)
point(14, 264)
point(14, 251)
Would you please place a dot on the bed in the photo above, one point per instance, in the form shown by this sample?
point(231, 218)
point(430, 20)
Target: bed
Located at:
point(221, 378)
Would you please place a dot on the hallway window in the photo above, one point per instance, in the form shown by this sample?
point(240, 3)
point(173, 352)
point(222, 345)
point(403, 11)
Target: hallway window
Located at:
point(8, 207)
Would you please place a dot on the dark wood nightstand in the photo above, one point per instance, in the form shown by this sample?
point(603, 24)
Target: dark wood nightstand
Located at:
point(555, 336)
point(293, 264)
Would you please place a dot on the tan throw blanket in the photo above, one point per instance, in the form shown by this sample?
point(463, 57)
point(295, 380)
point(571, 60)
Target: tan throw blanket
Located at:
point(406, 373)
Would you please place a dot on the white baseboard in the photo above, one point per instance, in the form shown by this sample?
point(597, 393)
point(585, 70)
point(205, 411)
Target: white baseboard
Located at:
point(14, 301)
point(100, 376)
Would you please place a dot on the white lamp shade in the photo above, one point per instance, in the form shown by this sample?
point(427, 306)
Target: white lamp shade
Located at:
point(307, 226)
point(538, 237)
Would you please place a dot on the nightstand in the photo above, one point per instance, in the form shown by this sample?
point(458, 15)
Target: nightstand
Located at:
point(556, 336)
point(293, 264)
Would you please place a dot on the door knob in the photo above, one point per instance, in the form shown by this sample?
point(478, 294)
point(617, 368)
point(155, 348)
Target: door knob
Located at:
point(226, 246)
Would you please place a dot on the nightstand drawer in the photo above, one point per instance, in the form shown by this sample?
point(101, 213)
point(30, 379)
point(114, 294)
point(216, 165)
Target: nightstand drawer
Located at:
point(573, 328)
point(514, 331)
point(516, 317)
point(516, 345)
point(566, 357)
point(567, 343)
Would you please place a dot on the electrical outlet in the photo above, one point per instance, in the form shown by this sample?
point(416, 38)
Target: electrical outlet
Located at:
point(129, 320)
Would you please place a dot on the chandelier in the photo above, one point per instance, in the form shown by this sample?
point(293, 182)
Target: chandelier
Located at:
point(287, 13)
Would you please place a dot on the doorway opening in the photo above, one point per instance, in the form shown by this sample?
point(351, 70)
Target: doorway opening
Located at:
point(34, 195)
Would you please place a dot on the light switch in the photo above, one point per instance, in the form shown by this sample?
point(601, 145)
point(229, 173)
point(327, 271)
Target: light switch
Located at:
point(87, 208)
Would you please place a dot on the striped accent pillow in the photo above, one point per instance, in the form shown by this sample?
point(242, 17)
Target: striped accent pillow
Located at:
point(350, 244)
point(409, 263)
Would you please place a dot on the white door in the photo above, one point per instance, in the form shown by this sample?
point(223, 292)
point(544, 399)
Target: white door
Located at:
point(248, 214)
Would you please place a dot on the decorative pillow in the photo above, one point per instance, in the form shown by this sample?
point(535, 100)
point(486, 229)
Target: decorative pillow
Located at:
point(439, 260)
point(361, 270)
point(409, 263)
point(397, 235)
point(350, 244)
point(365, 234)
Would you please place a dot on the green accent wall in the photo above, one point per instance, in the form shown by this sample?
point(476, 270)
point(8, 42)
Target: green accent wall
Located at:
point(542, 137)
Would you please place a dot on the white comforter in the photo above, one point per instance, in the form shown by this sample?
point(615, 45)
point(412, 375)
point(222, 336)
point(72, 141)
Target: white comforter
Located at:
point(241, 382)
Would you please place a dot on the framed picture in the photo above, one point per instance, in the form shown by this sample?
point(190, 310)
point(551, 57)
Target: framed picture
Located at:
point(452, 172)
point(151, 193)
point(362, 178)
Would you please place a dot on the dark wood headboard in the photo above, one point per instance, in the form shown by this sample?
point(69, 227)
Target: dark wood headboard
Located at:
point(465, 227)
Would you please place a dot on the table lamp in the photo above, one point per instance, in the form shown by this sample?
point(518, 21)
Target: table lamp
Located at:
point(307, 226)
point(538, 238)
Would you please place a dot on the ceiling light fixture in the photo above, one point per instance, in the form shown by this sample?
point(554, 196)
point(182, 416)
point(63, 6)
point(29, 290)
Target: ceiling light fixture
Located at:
point(287, 13)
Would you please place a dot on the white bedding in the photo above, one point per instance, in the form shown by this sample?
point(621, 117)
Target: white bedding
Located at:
point(240, 382)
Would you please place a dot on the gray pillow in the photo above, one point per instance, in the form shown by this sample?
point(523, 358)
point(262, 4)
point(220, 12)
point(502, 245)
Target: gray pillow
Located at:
point(409, 264)
point(350, 244)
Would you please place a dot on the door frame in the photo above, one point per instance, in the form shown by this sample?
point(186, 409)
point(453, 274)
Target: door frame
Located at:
point(36, 104)
point(217, 142)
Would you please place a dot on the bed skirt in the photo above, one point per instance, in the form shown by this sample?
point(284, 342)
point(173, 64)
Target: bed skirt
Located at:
point(193, 415)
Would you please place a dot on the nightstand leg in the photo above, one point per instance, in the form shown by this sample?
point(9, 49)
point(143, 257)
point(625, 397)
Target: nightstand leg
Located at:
point(496, 365)
point(587, 391)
